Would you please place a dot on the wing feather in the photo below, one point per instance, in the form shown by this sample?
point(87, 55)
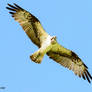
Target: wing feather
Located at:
point(70, 60)
point(29, 23)
point(36, 33)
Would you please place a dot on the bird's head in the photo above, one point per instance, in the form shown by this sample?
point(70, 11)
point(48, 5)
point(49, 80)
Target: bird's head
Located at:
point(53, 39)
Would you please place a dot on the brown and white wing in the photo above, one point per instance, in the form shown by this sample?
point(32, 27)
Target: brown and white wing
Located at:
point(70, 60)
point(29, 23)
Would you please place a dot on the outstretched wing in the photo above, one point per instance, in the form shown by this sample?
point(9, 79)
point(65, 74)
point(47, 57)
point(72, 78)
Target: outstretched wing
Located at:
point(69, 60)
point(29, 23)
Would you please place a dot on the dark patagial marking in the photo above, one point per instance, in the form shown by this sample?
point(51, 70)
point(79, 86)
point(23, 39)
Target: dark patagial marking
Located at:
point(74, 55)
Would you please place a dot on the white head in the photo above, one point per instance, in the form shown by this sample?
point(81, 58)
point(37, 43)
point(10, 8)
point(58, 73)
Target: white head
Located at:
point(53, 39)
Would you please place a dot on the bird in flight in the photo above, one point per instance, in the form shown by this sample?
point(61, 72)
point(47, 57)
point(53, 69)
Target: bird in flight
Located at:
point(48, 44)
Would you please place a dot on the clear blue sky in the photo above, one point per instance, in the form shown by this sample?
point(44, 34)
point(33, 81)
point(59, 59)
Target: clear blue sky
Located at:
point(70, 21)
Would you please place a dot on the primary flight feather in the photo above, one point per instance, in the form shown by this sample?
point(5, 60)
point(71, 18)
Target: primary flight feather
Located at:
point(47, 44)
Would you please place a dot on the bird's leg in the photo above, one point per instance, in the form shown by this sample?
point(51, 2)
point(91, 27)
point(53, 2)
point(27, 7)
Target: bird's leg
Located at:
point(46, 46)
point(37, 56)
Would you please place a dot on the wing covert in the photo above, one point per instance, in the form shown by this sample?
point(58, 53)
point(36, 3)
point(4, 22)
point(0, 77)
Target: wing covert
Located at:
point(29, 23)
point(70, 60)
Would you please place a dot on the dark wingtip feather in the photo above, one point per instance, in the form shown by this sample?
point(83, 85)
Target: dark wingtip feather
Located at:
point(10, 9)
point(89, 74)
point(18, 6)
point(11, 12)
point(83, 76)
point(12, 6)
point(8, 4)
point(87, 77)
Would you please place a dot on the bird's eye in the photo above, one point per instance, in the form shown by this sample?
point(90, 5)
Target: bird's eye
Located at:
point(53, 38)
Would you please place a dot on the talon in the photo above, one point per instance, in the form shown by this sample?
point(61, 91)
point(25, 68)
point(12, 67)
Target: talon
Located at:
point(36, 57)
point(33, 58)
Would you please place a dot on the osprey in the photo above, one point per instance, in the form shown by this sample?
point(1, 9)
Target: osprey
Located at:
point(47, 44)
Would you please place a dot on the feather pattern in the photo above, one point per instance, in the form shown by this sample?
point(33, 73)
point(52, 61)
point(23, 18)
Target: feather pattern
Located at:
point(29, 23)
point(70, 61)
point(58, 53)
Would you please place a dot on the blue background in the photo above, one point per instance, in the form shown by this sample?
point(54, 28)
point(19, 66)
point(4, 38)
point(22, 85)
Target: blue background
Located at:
point(70, 21)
